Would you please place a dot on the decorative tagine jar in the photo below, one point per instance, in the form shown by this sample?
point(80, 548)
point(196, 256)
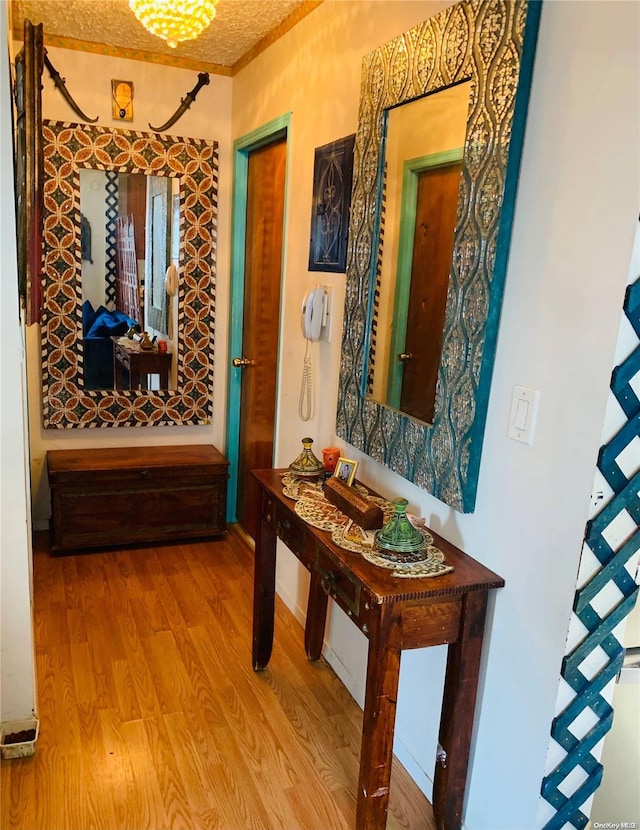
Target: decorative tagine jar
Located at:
point(399, 535)
point(306, 464)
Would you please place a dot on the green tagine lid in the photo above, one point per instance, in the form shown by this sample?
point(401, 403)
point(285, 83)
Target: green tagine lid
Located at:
point(399, 535)
point(306, 464)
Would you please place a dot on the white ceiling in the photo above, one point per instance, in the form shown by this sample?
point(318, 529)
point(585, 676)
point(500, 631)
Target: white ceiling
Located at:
point(238, 26)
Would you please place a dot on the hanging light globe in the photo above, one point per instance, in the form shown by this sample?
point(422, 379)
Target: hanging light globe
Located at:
point(174, 20)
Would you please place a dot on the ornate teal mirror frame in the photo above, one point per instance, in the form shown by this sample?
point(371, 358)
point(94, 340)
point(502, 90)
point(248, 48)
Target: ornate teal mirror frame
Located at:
point(66, 401)
point(491, 44)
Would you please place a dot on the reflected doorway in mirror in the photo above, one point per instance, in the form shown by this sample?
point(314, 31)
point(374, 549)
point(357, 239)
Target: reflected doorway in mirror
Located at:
point(419, 197)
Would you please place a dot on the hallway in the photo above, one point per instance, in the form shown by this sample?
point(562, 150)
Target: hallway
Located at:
point(151, 717)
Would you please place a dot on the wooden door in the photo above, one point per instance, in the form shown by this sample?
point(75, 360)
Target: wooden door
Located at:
point(436, 207)
point(263, 271)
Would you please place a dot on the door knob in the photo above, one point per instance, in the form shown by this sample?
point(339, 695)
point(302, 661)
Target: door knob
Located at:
point(241, 362)
point(405, 357)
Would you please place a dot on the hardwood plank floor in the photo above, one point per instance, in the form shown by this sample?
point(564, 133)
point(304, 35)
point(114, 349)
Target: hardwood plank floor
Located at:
point(151, 717)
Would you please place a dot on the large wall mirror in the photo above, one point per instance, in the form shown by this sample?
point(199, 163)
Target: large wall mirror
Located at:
point(437, 154)
point(119, 208)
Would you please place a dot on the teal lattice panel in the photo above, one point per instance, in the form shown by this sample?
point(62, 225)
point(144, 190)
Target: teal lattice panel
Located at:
point(611, 573)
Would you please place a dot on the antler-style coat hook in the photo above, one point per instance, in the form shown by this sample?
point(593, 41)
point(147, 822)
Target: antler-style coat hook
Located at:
point(190, 97)
point(61, 85)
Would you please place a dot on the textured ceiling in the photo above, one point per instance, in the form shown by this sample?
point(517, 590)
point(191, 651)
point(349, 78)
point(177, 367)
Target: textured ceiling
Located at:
point(238, 27)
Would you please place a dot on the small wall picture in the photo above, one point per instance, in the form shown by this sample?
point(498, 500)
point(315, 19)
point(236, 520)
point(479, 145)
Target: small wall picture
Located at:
point(346, 470)
point(332, 179)
point(122, 100)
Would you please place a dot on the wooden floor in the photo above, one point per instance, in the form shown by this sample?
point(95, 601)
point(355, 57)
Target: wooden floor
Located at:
point(151, 717)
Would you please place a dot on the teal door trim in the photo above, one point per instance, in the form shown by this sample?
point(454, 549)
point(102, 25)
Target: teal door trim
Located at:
point(411, 169)
point(242, 147)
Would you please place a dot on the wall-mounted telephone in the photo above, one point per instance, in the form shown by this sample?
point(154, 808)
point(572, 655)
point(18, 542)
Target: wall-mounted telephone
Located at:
point(311, 321)
point(171, 287)
point(312, 313)
point(171, 281)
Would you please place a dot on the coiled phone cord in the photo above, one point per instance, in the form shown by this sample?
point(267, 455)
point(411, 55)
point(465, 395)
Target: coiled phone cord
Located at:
point(304, 405)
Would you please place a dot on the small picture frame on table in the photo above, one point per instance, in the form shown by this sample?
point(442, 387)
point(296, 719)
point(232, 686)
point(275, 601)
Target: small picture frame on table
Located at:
point(332, 180)
point(346, 470)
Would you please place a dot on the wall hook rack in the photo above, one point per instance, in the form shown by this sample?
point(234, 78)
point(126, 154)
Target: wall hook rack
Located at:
point(61, 85)
point(185, 103)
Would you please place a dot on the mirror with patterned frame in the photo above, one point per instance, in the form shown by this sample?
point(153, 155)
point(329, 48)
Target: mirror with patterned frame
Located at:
point(67, 402)
point(490, 45)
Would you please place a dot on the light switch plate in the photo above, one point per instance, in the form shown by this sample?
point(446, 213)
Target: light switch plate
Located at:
point(524, 413)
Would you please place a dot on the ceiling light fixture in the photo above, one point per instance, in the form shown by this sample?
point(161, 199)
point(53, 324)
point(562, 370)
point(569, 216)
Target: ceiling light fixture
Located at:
point(174, 20)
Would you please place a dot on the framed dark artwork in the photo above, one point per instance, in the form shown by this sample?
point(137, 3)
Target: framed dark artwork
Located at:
point(29, 169)
point(332, 179)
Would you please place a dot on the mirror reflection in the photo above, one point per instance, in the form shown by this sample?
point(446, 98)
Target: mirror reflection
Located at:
point(419, 197)
point(129, 236)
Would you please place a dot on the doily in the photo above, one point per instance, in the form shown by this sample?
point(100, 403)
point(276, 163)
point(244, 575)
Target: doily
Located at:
point(294, 487)
point(431, 558)
point(320, 513)
point(313, 508)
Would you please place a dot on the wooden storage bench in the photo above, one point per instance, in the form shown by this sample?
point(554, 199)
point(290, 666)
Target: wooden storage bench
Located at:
point(125, 495)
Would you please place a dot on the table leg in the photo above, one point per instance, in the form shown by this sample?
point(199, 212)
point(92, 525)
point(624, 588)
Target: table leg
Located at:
point(458, 706)
point(383, 671)
point(264, 588)
point(316, 617)
point(117, 372)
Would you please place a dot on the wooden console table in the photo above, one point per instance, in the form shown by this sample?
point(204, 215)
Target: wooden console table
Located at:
point(139, 363)
point(394, 614)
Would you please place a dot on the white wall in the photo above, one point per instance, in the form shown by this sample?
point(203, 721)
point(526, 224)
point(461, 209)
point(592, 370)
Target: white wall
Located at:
point(17, 695)
point(573, 232)
point(158, 91)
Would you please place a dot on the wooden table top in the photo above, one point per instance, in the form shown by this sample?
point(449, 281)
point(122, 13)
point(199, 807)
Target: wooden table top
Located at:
point(467, 574)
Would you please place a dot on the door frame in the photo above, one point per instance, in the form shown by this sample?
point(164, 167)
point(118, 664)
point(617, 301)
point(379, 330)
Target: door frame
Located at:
point(242, 147)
